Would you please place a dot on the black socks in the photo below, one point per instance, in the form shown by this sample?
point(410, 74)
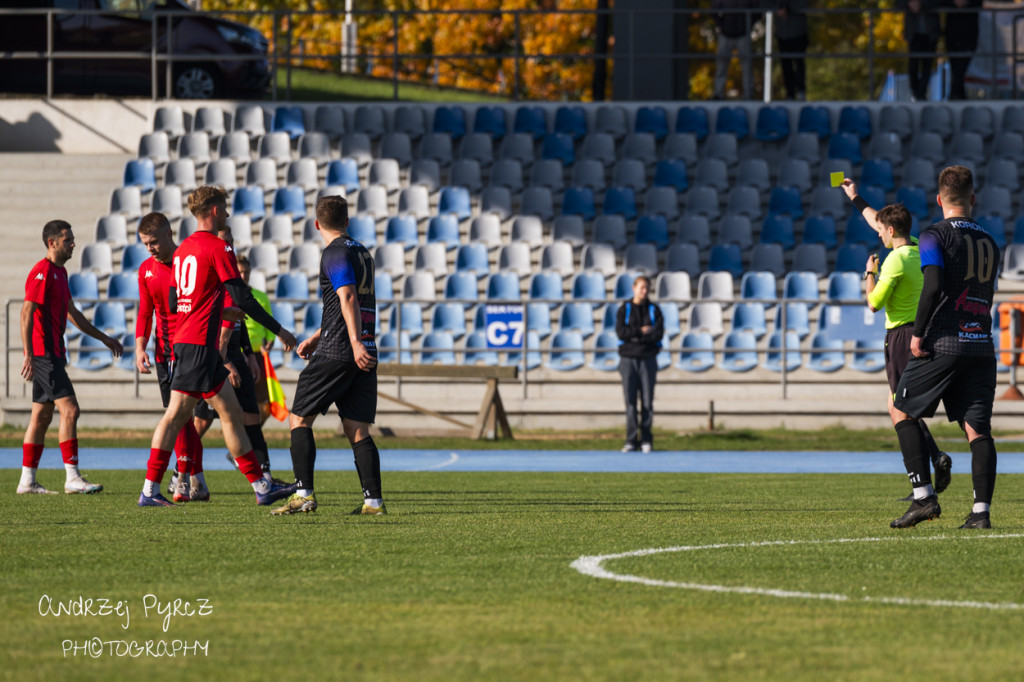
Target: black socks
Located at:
point(303, 456)
point(915, 458)
point(983, 468)
point(368, 467)
point(259, 445)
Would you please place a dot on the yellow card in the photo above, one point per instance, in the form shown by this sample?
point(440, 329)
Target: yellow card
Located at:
point(836, 178)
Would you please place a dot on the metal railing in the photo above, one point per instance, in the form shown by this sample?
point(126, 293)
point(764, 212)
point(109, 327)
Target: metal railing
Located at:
point(289, 49)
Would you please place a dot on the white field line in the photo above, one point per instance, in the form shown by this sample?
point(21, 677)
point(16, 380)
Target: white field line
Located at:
point(593, 566)
point(452, 459)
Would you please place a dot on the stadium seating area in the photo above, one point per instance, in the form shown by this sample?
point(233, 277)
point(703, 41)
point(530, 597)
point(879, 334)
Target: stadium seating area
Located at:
point(728, 209)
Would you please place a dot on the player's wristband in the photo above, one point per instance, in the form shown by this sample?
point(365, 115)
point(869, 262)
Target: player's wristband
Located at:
point(859, 202)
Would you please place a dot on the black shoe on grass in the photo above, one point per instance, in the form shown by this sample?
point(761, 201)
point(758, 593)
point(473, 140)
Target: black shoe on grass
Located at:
point(943, 472)
point(977, 520)
point(920, 510)
point(908, 498)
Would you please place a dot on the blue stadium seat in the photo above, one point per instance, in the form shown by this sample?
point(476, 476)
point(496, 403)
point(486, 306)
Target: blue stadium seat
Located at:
point(490, 120)
point(538, 319)
point(758, 285)
point(802, 285)
point(392, 347)
point(472, 258)
point(693, 120)
point(696, 352)
point(588, 285)
point(476, 352)
point(778, 229)
point(726, 257)
point(363, 228)
point(844, 286)
point(344, 172)
point(868, 356)
point(852, 257)
point(821, 229)
point(773, 359)
point(93, 355)
point(503, 286)
point(401, 229)
point(739, 352)
point(859, 232)
point(294, 287)
point(670, 314)
point(671, 173)
point(445, 229)
point(454, 200)
point(85, 289)
point(533, 356)
point(546, 286)
point(875, 196)
point(411, 321)
point(531, 120)
point(994, 225)
point(571, 121)
point(576, 316)
point(123, 286)
point(772, 124)
point(733, 120)
point(111, 318)
point(816, 120)
point(785, 201)
point(288, 119)
point(652, 229)
point(461, 286)
point(566, 351)
point(606, 352)
point(579, 201)
point(284, 313)
point(437, 347)
point(750, 317)
point(450, 120)
point(622, 288)
point(845, 146)
point(798, 318)
point(249, 200)
point(653, 120)
point(620, 201)
point(133, 256)
point(916, 201)
point(140, 173)
point(877, 173)
point(312, 316)
point(826, 355)
point(558, 146)
point(855, 120)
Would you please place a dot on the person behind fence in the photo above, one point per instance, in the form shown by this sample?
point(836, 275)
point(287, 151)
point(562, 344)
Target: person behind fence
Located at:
point(734, 24)
point(961, 37)
point(791, 32)
point(921, 31)
point(639, 325)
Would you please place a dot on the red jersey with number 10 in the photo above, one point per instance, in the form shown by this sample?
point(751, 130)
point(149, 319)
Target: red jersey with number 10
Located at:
point(156, 280)
point(202, 264)
point(47, 285)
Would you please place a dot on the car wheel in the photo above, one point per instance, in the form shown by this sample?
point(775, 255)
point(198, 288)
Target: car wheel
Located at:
point(196, 81)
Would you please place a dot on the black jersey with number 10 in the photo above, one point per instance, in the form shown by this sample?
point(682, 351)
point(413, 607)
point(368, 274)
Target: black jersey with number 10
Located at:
point(969, 257)
point(346, 262)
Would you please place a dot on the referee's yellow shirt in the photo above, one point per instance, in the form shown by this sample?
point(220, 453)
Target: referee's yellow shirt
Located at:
point(899, 286)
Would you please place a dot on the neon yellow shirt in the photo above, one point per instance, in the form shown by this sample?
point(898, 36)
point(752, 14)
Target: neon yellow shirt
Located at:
point(257, 332)
point(899, 286)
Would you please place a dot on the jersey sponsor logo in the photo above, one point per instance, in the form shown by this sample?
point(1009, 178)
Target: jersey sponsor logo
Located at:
point(967, 224)
point(149, 273)
point(41, 276)
point(974, 306)
point(972, 331)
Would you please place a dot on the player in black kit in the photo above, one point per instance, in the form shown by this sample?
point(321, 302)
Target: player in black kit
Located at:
point(343, 369)
point(954, 358)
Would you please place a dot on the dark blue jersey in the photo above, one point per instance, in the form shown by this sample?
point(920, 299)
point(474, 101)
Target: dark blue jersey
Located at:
point(346, 262)
point(969, 258)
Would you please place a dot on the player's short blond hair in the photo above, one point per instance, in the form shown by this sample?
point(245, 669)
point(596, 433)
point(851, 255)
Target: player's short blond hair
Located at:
point(204, 198)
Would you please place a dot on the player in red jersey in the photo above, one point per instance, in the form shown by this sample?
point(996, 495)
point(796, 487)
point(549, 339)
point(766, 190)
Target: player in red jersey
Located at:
point(204, 269)
point(44, 318)
point(156, 280)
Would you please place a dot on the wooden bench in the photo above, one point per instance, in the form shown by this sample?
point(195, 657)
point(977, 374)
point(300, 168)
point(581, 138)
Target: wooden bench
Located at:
point(491, 419)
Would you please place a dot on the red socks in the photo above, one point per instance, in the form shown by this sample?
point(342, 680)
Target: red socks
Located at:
point(250, 466)
point(69, 451)
point(31, 453)
point(158, 461)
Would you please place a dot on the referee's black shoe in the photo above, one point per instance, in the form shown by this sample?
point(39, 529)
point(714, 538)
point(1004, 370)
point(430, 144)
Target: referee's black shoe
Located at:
point(920, 510)
point(943, 472)
point(977, 520)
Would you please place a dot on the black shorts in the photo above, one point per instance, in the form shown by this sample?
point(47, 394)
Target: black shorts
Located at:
point(164, 372)
point(897, 353)
point(325, 382)
point(50, 380)
point(246, 391)
point(198, 370)
point(966, 385)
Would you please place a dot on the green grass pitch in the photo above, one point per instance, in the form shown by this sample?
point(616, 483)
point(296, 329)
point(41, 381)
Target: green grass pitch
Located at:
point(470, 577)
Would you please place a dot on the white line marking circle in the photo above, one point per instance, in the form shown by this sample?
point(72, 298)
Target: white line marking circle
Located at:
point(593, 566)
point(452, 459)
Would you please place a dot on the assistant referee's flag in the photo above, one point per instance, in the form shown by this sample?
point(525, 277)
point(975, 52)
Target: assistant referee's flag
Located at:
point(278, 408)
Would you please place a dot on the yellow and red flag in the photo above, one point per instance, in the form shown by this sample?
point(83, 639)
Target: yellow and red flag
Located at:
point(278, 408)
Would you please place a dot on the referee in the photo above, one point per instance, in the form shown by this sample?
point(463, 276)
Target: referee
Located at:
point(897, 290)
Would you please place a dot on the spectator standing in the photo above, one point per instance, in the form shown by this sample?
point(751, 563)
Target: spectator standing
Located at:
point(734, 24)
point(921, 31)
point(961, 37)
point(639, 325)
point(791, 32)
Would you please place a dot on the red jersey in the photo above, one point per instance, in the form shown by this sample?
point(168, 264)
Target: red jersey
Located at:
point(47, 285)
point(156, 280)
point(202, 264)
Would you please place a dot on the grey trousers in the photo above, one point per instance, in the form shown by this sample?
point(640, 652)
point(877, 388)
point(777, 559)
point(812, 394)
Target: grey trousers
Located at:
point(638, 377)
point(725, 48)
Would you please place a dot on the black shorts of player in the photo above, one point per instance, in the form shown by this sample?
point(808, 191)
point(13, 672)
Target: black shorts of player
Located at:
point(966, 385)
point(164, 372)
point(897, 353)
point(50, 380)
point(325, 382)
point(246, 391)
point(198, 370)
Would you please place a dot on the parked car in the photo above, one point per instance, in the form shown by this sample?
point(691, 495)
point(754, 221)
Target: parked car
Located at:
point(126, 26)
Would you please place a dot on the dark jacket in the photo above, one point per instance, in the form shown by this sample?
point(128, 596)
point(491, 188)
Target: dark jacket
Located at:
point(734, 24)
point(628, 320)
point(795, 23)
point(925, 22)
point(962, 26)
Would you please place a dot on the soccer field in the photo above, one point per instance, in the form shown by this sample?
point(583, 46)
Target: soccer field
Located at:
point(479, 576)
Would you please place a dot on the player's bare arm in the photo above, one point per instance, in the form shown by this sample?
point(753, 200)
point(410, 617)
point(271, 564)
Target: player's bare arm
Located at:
point(83, 323)
point(142, 362)
point(308, 347)
point(28, 309)
point(243, 298)
point(354, 322)
point(869, 213)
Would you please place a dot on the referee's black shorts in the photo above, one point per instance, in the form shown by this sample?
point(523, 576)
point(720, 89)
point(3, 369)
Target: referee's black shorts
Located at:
point(966, 385)
point(50, 380)
point(325, 382)
point(897, 353)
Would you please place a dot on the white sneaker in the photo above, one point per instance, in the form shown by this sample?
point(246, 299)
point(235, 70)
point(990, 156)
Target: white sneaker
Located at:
point(628, 447)
point(81, 485)
point(645, 447)
point(34, 489)
point(198, 492)
point(172, 484)
point(182, 492)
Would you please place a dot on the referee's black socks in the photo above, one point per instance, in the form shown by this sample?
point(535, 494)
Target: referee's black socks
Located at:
point(915, 457)
point(303, 456)
point(368, 466)
point(259, 445)
point(983, 468)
